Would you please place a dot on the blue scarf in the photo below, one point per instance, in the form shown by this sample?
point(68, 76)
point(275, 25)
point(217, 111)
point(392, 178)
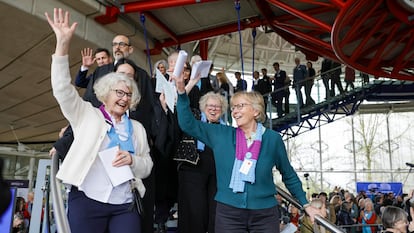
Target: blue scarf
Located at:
point(366, 229)
point(250, 154)
point(124, 141)
point(200, 145)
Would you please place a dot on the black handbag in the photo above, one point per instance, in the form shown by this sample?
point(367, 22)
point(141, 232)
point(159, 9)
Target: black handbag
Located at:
point(187, 147)
point(187, 151)
point(137, 201)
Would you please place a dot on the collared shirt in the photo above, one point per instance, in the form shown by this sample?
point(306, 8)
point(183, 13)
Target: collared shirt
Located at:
point(97, 184)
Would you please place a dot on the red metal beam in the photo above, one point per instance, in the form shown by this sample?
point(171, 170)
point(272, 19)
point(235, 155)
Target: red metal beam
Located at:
point(161, 25)
point(296, 40)
point(204, 49)
point(305, 36)
point(339, 3)
point(222, 30)
point(112, 12)
point(313, 11)
point(301, 15)
point(140, 6)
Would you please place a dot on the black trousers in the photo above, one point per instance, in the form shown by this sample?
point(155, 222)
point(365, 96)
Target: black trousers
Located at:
point(235, 220)
point(196, 191)
point(86, 215)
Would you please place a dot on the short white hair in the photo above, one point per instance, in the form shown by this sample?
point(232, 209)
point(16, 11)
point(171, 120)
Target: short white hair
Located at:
point(105, 84)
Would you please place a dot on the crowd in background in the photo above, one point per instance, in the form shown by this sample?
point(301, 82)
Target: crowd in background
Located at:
point(360, 213)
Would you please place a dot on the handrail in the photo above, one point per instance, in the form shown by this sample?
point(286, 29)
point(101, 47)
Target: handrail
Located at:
point(59, 212)
point(319, 219)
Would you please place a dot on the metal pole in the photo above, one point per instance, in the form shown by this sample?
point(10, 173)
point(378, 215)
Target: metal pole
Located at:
point(389, 145)
point(353, 148)
point(62, 224)
point(30, 174)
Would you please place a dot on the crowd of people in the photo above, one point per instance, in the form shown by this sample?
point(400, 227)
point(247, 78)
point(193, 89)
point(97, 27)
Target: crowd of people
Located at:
point(365, 212)
point(22, 213)
point(129, 156)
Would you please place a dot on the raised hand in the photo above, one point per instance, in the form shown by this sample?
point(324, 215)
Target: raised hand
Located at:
point(63, 32)
point(179, 82)
point(87, 57)
point(192, 82)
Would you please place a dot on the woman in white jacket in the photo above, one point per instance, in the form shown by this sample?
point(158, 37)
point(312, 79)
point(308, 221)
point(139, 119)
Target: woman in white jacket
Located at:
point(97, 202)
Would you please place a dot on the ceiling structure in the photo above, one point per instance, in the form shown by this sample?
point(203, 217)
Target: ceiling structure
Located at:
point(373, 36)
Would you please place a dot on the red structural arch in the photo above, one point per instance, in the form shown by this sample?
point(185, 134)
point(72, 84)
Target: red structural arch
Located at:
point(373, 36)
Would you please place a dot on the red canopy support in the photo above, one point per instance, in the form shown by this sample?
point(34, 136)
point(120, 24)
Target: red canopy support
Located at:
point(112, 12)
point(204, 49)
point(158, 4)
point(222, 30)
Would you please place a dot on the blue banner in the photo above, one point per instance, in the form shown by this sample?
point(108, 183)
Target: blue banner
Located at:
point(371, 188)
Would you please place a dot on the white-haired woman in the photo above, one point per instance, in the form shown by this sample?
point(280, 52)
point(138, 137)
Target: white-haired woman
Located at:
point(95, 202)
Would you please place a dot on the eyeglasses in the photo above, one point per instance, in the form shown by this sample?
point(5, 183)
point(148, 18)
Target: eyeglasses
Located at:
point(120, 44)
point(239, 106)
point(121, 93)
point(213, 107)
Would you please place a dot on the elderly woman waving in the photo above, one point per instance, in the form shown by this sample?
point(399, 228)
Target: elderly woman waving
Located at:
point(106, 144)
point(244, 158)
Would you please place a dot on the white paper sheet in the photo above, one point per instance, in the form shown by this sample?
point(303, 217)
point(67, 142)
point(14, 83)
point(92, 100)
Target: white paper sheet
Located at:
point(179, 64)
point(166, 87)
point(117, 175)
point(202, 68)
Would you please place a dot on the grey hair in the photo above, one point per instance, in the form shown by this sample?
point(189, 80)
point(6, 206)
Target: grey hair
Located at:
point(257, 101)
point(105, 84)
point(164, 62)
point(212, 95)
point(391, 215)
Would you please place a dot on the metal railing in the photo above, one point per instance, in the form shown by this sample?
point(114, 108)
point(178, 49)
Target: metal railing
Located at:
point(318, 219)
point(59, 211)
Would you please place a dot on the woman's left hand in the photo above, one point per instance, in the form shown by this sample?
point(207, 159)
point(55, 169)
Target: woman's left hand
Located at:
point(122, 158)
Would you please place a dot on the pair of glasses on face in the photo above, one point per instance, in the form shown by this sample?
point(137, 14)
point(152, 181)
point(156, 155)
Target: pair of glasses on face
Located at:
point(120, 44)
point(238, 106)
point(121, 93)
point(213, 107)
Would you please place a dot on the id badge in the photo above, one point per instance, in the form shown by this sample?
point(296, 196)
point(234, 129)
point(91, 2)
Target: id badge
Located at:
point(246, 165)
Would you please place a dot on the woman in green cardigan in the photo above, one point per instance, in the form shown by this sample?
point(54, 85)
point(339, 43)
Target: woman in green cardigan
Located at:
point(244, 159)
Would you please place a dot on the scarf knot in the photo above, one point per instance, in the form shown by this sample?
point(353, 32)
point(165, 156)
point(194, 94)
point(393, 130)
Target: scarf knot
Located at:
point(121, 138)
